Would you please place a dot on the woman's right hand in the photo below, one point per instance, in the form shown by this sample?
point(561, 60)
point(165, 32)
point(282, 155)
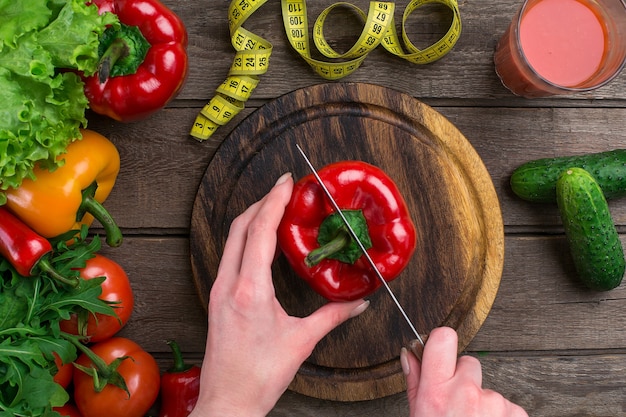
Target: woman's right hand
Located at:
point(443, 385)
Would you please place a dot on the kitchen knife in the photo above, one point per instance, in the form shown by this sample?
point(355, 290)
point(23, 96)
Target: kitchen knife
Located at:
point(416, 346)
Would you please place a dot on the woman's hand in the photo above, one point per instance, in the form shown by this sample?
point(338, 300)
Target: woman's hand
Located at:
point(446, 386)
point(254, 349)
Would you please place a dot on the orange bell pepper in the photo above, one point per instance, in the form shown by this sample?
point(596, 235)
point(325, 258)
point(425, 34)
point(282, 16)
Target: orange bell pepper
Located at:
point(58, 201)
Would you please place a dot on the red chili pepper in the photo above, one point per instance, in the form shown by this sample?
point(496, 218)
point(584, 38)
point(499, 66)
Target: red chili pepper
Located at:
point(319, 247)
point(143, 64)
point(26, 250)
point(180, 386)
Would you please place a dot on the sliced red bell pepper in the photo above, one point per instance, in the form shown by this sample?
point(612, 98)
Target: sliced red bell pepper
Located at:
point(319, 247)
point(143, 64)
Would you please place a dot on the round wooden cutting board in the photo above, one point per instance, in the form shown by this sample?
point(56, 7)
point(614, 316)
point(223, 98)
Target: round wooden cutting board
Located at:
point(455, 272)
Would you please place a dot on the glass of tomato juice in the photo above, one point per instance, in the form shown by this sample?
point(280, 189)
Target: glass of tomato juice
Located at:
point(557, 47)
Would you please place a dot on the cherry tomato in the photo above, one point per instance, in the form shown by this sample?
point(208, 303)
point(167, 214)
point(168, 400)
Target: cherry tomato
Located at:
point(63, 377)
point(115, 288)
point(139, 370)
point(68, 410)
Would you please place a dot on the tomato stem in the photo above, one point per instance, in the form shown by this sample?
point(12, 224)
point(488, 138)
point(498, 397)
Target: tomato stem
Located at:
point(101, 373)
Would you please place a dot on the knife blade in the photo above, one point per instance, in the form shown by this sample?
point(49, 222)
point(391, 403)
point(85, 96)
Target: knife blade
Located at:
point(415, 347)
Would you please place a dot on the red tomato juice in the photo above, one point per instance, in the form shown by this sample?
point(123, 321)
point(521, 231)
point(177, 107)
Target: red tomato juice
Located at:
point(563, 40)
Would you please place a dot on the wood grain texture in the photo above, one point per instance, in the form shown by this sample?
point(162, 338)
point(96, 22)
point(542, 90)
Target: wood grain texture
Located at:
point(465, 73)
point(553, 347)
point(455, 272)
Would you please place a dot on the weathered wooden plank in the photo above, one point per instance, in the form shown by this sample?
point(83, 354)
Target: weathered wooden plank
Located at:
point(466, 72)
point(542, 308)
point(541, 304)
point(546, 386)
point(552, 346)
point(166, 303)
point(162, 166)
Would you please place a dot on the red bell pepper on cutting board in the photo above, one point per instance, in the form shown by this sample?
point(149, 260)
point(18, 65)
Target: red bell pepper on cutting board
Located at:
point(320, 249)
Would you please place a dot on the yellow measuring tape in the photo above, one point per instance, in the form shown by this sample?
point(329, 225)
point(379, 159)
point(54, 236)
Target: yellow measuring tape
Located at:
point(253, 52)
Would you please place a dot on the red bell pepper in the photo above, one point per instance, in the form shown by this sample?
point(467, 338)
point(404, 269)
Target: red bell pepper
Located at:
point(143, 63)
point(27, 251)
point(180, 386)
point(319, 247)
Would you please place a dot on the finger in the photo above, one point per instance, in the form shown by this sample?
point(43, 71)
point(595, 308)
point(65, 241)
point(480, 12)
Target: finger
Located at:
point(470, 368)
point(261, 240)
point(500, 406)
point(411, 367)
point(440, 356)
point(517, 411)
point(232, 255)
point(326, 318)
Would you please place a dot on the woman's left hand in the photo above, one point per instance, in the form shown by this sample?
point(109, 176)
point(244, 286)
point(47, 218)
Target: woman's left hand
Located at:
point(254, 348)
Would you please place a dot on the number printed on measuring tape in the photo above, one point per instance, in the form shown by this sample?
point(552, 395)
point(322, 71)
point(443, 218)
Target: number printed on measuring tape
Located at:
point(253, 52)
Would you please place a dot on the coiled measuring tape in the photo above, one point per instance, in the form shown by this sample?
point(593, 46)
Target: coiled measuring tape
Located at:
point(253, 52)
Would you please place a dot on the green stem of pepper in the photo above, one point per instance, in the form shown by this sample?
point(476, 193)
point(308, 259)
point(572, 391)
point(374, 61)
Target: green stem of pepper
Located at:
point(122, 50)
point(335, 240)
point(45, 266)
point(116, 50)
point(179, 362)
point(339, 242)
point(92, 206)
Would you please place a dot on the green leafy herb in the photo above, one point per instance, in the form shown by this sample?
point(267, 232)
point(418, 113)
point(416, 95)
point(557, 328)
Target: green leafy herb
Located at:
point(30, 311)
point(43, 104)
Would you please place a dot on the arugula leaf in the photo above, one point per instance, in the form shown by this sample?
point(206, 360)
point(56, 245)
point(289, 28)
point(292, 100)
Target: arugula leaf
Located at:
point(43, 104)
point(30, 331)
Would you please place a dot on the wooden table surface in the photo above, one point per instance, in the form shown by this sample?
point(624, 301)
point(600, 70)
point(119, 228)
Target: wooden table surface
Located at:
point(548, 344)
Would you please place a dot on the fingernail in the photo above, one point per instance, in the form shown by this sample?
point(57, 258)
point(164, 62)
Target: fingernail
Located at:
point(283, 178)
point(404, 361)
point(359, 309)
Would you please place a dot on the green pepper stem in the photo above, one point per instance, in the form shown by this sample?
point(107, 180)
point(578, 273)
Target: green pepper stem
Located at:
point(92, 206)
point(122, 51)
point(179, 363)
point(45, 266)
point(97, 210)
point(118, 49)
point(340, 241)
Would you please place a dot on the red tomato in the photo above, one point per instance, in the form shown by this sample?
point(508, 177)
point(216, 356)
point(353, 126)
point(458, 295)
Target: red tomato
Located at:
point(140, 371)
point(68, 410)
point(115, 288)
point(63, 377)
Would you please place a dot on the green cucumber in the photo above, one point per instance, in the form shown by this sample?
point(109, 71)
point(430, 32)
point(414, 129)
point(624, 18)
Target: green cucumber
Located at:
point(536, 180)
point(594, 243)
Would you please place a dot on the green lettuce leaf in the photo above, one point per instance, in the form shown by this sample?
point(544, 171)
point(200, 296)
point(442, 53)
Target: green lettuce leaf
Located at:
point(42, 43)
point(73, 37)
point(22, 16)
